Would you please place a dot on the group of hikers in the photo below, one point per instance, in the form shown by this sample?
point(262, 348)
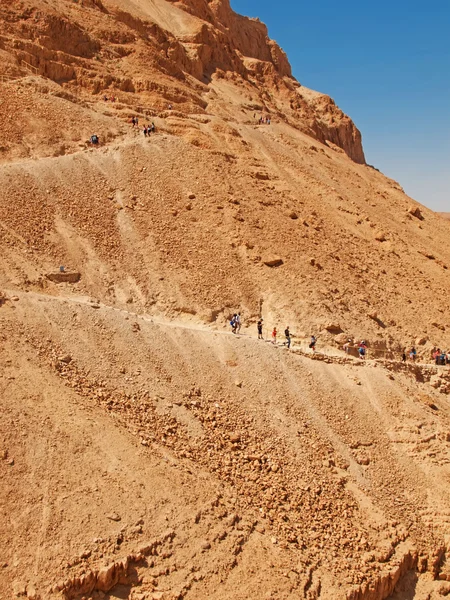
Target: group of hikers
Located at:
point(262, 120)
point(440, 357)
point(147, 129)
point(236, 323)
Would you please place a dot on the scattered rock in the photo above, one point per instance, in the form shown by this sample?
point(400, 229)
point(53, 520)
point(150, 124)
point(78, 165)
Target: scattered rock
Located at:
point(416, 212)
point(273, 261)
point(333, 327)
point(65, 358)
point(113, 517)
point(63, 277)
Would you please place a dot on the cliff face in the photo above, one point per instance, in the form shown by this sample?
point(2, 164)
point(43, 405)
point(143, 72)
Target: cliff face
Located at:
point(127, 45)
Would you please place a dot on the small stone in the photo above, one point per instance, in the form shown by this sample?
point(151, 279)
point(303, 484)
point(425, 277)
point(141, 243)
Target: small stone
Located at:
point(191, 196)
point(238, 384)
point(273, 261)
point(205, 545)
point(415, 212)
point(66, 358)
point(113, 517)
point(19, 589)
point(136, 529)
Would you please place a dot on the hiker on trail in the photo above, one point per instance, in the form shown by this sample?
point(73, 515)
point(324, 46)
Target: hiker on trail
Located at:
point(404, 355)
point(233, 323)
point(105, 98)
point(153, 128)
point(312, 344)
point(260, 329)
point(94, 140)
point(413, 354)
point(362, 350)
point(346, 346)
point(238, 323)
point(287, 335)
point(145, 131)
point(274, 335)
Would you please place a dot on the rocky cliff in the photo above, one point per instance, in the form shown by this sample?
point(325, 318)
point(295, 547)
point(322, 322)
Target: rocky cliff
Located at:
point(118, 46)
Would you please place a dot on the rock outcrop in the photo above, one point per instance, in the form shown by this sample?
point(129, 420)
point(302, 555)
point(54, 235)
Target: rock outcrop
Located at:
point(64, 277)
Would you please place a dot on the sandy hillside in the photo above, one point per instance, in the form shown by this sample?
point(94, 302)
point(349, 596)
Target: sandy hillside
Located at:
point(146, 452)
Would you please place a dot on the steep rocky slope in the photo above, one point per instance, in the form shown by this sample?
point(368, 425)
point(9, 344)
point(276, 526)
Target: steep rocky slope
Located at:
point(146, 452)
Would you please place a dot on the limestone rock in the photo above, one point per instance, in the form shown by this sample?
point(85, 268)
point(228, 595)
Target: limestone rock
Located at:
point(63, 277)
point(273, 261)
point(415, 212)
point(113, 517)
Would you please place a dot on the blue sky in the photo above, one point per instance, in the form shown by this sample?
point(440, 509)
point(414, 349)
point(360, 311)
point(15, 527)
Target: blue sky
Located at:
point(387, 65)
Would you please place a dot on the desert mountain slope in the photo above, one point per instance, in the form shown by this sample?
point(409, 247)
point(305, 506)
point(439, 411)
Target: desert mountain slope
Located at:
point(146, 452)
